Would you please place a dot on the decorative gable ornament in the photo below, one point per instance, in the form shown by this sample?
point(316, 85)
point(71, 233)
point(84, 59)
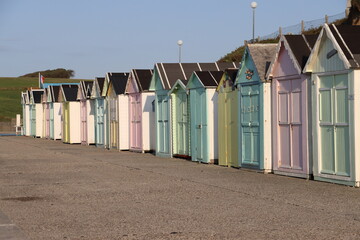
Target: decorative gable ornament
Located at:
point(249, 73)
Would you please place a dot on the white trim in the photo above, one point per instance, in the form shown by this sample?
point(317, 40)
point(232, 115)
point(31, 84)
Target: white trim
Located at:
point(182, 70)
point(336, 45)
point(347, 48)
point(199, 66)
point(217, 66)
point(167, 79)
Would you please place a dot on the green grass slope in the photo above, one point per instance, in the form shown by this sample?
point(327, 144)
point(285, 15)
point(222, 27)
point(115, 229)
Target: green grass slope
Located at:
point(10, 93)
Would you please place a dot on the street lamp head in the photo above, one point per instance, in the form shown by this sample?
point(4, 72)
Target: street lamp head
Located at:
point(253, 5)
point(180, 42)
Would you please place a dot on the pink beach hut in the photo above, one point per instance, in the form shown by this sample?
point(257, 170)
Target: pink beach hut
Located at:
point(141, 110)
point(290, 110)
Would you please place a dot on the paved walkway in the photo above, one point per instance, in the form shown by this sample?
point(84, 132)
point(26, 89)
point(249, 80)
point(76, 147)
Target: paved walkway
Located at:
point(52, 190)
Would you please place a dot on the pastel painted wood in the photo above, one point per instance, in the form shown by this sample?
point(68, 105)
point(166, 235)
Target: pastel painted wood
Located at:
point(164, 78)
point(255, 107)
point(203, 115)
point(99, 111)
point(36, 112)
point(181, 120)
point(70, 114)
point(290, 106)
point(141, 111)
point(118, 103)
point(335, 67)
point(228, 111)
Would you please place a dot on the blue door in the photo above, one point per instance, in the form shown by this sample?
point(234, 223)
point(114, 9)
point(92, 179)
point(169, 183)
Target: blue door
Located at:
point(199, 125)
point(250, 126)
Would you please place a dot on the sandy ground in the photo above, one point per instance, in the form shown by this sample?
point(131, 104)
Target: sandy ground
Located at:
point(51, 190)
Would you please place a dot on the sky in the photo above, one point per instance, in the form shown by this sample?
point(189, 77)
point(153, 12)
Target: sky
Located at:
point(93, 37)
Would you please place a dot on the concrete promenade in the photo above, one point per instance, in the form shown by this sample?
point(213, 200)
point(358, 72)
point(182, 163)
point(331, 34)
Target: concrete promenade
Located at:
point(51, 190)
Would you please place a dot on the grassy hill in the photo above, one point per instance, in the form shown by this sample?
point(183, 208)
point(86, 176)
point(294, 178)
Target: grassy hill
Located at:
point(10, 89)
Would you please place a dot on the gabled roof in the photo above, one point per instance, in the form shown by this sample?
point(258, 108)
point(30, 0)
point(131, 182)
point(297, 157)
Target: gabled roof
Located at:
point(179, 83)
point(69, 92)
point(100, 81)
point(345, 39)
point(25, 97)
point(44, 96)
point(298, 47)
point(348, 38)
point(37, 95)
point(142, 78)
point(87, 88)
point(118, 81)
point(262, 55)
point(54, 93)
point(230, 75)
point(170, 72)
point(209, 78)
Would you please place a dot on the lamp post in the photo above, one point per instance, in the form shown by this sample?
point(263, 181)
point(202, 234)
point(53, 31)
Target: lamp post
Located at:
point(180, 43)
point(253, 6)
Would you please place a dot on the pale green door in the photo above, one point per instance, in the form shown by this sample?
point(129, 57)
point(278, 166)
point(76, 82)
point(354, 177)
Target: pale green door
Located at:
point(182, 124)
point(334, 125)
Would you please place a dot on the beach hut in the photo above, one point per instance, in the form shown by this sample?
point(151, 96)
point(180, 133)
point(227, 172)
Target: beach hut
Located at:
point(55, 112)
point(25, 101)
point(290, 106)
point(228, 110)
point(255, 107)
point(118, 103)
point(335, 82)
point(96, 95)
point(87, 113)
point(70, 114)
point(46, 114)
point(180, 119)
point(141, 111)
point(106, 106)
point(164, 77)
point(203, 115)
point(36, 112)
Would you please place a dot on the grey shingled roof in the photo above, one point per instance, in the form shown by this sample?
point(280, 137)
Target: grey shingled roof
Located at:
point(171, 72)
point(262, 55)
point(348, 38)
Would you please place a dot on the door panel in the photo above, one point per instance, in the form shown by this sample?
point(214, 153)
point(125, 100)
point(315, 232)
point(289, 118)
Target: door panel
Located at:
point(163, 124)
point(100, 122)
point(250, 125)
point(201, 125)
point(327, 149)
point(334, 126)
point(182, 124)
point(83, 122)
point(290, 124)
point(135, 121)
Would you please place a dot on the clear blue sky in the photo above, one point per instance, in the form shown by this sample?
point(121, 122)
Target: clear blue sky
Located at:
point(93, 37)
